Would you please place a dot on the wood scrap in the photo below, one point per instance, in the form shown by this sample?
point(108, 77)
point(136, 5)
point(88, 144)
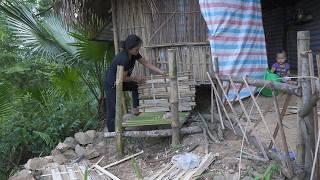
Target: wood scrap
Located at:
point(107, 173)
point(122, 160)
point(205, 163)
point(170, 171)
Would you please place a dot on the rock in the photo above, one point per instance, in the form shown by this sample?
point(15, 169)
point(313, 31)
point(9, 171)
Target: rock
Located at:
point(49, 158)
point(71, 142)
point(91, 152)
point(23, 175)
point(92, 134)
point(62, 147)
point(60, 159)
point(99, 138)
point(101, 147)
point(70, 154)
point(55, 152)
point(80, 150)
point(36, 163)
point(83, 138)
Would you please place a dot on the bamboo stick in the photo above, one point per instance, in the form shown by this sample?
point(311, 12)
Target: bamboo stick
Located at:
point(174, 100)
point(248, 119)
point(258, 108)
point(106, 172)
point(286, 161)
point(119, 110)
point(313, 91)
point(220, 101)
point(231, 107)
point(122, 160)
point(283, 113)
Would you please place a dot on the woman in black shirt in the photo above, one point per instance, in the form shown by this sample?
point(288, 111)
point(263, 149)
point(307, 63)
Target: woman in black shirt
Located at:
point(126, 58)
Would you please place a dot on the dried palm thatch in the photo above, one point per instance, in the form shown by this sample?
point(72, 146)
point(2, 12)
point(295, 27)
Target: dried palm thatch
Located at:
point(83, 11)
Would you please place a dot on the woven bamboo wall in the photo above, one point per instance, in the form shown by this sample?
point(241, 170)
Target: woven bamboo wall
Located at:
point(167, 24)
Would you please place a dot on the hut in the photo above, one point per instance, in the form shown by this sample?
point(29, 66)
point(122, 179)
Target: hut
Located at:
point(179, 24)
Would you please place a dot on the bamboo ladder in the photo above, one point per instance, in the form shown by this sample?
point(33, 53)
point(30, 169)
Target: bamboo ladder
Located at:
point(146, 119)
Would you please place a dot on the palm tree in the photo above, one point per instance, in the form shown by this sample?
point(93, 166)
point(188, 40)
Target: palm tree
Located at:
point(51, 38)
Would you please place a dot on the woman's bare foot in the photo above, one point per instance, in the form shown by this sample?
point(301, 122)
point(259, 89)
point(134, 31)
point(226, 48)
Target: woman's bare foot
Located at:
point(135, 111)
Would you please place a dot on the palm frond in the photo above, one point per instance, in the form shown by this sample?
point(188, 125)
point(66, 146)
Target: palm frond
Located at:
point(47, 37)
point(6, 108)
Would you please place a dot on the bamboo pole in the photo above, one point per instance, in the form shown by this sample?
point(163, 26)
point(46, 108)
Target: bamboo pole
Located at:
point(115, 28)
point(174, 99)
point(220, 101)
point(258, 108)
point(231, 107)
point(119, 110)
point(290, 89)
point(286, 162)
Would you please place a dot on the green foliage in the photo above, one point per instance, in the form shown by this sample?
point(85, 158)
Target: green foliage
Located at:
point(6, 108)
point(268, 173)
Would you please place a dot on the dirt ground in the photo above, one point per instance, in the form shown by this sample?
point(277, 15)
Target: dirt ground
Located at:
point(157, 151)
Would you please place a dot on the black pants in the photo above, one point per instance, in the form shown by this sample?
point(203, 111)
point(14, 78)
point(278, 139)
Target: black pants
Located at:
point(111, 101)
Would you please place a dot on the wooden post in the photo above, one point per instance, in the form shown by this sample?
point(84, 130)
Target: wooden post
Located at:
point(303, 45)
point(174, 100)
point(119, 110)
point(286, 162)
point(114, 26)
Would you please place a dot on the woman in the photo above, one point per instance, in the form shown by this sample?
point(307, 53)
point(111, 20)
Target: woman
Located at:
point(126, 58)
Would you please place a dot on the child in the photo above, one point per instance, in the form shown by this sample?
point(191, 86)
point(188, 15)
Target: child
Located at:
point(281, 67)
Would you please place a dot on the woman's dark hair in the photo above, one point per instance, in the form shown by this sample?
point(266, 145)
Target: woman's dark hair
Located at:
point(130, 42)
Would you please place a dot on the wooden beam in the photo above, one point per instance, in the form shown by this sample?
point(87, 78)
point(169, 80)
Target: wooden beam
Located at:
point(174, 97)
point(177, 44)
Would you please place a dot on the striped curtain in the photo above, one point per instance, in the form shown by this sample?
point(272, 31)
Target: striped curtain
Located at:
point(236, 37)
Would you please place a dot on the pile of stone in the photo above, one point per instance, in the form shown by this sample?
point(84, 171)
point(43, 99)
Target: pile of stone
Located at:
point(82, 147)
